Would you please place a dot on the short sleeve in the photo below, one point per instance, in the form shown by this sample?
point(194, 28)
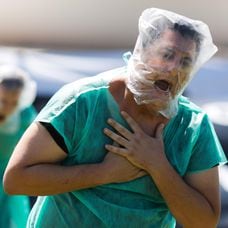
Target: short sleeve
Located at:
point(60, 113)
point(207, 152)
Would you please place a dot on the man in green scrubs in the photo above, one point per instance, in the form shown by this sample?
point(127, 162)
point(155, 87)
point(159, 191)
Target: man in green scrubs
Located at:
point(16, 114)
point(124, 148)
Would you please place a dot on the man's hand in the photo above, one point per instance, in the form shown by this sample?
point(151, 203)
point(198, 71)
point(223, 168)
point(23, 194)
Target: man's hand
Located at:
point(139, 148)
point(119, 169)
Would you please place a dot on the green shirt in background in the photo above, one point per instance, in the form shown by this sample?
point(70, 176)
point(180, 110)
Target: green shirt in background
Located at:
point(79, 112)
point(14, 209)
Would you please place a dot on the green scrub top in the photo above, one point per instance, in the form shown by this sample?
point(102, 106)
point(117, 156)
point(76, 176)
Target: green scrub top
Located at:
point(14, 209)
point(79, 112)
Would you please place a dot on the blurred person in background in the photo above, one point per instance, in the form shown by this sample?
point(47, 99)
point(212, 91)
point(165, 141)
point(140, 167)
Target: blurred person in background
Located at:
point(17, 92)
point(125, 148)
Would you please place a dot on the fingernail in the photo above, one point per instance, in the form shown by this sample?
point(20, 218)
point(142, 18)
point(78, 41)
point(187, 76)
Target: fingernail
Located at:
point(109, 120)
point(123, 112)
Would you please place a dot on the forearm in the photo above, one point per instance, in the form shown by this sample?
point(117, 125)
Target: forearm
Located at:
point(49, 179)
point(189, 207)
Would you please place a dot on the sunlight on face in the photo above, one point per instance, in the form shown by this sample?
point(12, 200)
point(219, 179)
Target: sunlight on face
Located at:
point(162, 70)
point(173, 56)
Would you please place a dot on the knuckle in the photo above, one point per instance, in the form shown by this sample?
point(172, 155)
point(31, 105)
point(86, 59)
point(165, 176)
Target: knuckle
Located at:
point(112, 123)
point(138, 138)
point(114, 149)
point(118, 138)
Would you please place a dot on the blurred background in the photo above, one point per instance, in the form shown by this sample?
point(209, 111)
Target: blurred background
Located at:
point(60, 41)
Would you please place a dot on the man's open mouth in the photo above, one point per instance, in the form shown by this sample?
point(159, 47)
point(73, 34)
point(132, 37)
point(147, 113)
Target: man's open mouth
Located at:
point(163, 85)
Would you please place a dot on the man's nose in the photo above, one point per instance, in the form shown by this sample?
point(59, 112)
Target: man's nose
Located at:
point(174, 72)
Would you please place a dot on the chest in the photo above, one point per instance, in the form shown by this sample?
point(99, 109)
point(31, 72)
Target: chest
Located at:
point(149, 127)
point(150, 124)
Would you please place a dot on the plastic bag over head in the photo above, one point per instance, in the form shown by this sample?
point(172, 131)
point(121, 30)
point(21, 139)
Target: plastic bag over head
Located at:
point(158, 73)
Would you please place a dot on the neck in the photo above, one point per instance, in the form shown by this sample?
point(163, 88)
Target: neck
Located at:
point(129, 105)
point(144, 114)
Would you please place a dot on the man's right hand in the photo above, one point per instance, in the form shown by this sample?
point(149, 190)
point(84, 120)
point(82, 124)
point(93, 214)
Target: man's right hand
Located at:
point(119, 169)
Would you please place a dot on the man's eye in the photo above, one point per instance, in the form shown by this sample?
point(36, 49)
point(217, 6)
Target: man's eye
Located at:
point(168, 56)
point(185, 63)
